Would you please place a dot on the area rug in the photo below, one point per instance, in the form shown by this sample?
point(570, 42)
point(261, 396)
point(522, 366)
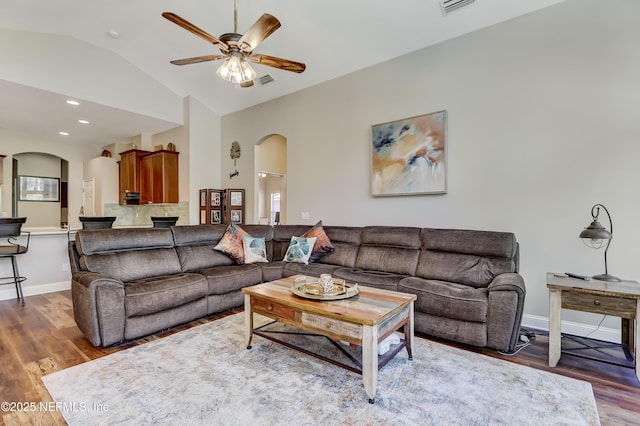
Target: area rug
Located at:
point(205, 376)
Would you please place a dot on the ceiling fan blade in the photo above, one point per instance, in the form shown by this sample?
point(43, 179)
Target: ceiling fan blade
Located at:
point(195, 30)
point(260, 30)
point(196, 59)
point(247, 84)
point(272, 61)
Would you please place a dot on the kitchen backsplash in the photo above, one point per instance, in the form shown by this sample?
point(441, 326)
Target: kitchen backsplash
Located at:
point(140, 215)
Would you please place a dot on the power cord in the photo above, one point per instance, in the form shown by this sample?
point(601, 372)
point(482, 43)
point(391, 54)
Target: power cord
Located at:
point(526, 336)
point(597, 328)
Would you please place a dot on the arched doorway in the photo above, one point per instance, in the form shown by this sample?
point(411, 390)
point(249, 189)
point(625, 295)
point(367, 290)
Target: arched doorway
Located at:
point(270, 180)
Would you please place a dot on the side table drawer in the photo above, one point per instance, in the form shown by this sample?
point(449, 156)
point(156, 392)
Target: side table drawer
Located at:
point(608, 305)
point(272, 309)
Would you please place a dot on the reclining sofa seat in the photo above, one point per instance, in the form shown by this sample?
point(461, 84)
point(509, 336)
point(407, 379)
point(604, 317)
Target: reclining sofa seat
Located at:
point(195, 244)
point(387, 254)
point(468, 287)
point(129, 283)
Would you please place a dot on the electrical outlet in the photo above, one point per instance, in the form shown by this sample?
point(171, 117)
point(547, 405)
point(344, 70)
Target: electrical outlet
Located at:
point(304, 215)
point(65, 267)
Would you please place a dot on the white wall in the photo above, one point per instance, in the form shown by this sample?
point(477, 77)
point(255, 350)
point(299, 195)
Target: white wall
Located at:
point(104, 172)
point(542, 124)
point(203, 128)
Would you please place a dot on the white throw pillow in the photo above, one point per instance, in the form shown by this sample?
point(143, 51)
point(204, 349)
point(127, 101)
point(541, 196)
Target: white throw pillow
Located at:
point(299, 250)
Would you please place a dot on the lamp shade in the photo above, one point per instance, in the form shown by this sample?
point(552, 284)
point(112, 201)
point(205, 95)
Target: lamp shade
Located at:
point(236, 70)
point(596, 231)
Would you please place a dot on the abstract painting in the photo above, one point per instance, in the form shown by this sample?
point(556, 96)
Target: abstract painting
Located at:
point(409, 156)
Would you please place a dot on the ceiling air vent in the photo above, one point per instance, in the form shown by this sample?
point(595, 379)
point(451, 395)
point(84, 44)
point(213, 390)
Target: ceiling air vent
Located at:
point(265, 79)
point(449, 6)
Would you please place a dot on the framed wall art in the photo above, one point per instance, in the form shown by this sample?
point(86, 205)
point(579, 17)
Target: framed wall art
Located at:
point(216, 217)
point(215, 198)
point(408, 156)
point(236, 216)
point(36, 188)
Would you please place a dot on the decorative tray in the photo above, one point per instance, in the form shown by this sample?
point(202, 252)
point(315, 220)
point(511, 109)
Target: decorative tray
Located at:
point(310, 288)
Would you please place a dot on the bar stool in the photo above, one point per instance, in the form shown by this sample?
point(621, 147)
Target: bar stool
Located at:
point(97, 222)
point(164, 221)
point(11, 229)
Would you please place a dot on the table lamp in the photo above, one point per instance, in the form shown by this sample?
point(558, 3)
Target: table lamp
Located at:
point(596, 236)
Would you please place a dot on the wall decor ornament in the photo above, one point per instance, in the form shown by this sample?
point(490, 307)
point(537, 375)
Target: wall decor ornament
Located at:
point(234, 154)
point(408, 156)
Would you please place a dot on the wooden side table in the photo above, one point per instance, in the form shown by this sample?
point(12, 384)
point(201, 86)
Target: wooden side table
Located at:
point(618, 299)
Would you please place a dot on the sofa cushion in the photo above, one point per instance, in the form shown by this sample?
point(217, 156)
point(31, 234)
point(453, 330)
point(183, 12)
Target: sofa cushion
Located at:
point(448, 300)
point(133, 265)
point(100, 241)
point(473, 258)
point(231, 243)
point(299, 250)
point(475, 271)
point(197, 257)
point(255, 250)
point(226, 279)
point(378, 279)
point(322, 245)
point(159, 293)
point(197, 234)
point(389, 249)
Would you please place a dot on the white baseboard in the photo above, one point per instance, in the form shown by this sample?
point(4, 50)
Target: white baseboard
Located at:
point(8, 291)
point(574, 328)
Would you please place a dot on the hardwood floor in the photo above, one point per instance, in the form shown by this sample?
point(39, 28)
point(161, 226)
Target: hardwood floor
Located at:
point(42, 337)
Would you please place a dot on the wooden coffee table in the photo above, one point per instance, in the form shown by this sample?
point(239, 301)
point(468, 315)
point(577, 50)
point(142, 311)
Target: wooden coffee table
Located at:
point(365, 319)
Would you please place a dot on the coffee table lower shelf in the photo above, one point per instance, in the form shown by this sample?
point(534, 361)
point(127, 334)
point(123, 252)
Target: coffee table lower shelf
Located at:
point(352, 355)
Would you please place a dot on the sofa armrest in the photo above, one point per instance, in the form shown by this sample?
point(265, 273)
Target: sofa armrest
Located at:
point(98, 307)
point(506, 305)
point(508, 282)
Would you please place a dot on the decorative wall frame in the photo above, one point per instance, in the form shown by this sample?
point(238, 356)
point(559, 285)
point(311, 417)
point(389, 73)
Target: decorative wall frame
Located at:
point(236, 216)
point(36, 188)
point(215, 198)
point(408, 156)
point(216, 217)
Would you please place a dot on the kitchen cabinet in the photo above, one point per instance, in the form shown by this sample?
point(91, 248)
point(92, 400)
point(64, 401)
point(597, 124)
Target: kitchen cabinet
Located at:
point(159, 177)
point(130, 173)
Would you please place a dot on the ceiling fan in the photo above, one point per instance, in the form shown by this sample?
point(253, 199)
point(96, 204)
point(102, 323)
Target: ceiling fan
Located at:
point(236, 49)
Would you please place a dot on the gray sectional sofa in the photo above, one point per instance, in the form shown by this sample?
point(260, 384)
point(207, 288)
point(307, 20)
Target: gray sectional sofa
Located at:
point(128, 283)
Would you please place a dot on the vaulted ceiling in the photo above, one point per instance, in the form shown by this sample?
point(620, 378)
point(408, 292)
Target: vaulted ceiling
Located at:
point(332, 37)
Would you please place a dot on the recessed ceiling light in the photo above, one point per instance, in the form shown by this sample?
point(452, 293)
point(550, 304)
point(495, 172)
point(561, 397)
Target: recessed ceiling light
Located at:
point(63, 133)
point(83, 122)
point(113, 34)
point(74, 103)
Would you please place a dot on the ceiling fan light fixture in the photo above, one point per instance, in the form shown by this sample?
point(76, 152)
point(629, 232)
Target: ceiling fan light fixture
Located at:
point(236, 70)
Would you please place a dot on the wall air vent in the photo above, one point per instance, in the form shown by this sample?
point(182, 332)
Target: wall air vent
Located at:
point(265, 79)
point(449, 6)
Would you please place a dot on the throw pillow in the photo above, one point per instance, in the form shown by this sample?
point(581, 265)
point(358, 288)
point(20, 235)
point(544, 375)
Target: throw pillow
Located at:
point(323, 244)
point(299, 250)
point(255, 249)
point(231, 243)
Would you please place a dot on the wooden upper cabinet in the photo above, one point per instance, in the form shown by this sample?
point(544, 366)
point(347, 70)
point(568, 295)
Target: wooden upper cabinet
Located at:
point(130, 172)
point(159, 177)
